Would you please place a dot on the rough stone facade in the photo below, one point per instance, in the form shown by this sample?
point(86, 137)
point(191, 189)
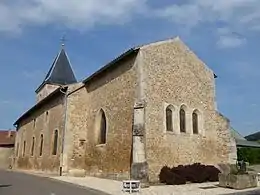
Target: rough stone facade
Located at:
point(45, 120)
point(115, 94)
point(45, 91)
point(175, 76)
point(7, 140)
point(155, 76)
point(6, 157)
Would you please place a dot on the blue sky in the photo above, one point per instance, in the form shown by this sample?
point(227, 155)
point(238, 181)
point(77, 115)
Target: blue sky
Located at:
point(224, 34)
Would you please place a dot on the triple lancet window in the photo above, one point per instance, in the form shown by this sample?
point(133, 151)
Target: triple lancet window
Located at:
point(172, 119)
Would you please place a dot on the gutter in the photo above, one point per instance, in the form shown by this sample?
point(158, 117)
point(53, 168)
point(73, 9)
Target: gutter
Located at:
point(66, 95)
point(110, 64)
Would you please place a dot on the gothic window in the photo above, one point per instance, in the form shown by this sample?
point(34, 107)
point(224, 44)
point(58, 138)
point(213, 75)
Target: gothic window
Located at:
point(101, 127)
point(195, 122)
point(55, 143)
point(41, 144)
point(32, 148)
point(182, 120)
point(169, 118)
point(24, 147)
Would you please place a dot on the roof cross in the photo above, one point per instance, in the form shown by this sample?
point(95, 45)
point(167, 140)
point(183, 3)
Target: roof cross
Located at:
point(63, 40)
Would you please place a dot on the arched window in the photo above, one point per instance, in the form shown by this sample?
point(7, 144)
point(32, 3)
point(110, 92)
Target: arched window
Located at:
point(169, 119)
point(195, 122)
point(32, 148)
point(101, 128)
point(41, 144)
point(55, 143)
point(24, 147)
point(182, 120)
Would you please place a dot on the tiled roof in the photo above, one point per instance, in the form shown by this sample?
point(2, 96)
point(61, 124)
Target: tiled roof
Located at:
point(241, 141)
point(7, 137)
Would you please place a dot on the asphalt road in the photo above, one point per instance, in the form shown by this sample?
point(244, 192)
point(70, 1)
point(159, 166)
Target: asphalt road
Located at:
point(14, 183)
point(254, 192)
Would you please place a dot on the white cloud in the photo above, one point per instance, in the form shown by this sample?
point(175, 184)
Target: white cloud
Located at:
point(33, 75)
point(199, 11)
point(80, 14)
point(5, 102)
point(237, 15)
point(230, 41)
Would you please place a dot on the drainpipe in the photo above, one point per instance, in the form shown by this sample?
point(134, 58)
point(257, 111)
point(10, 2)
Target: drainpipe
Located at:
point(64, 131)
point(66, 94)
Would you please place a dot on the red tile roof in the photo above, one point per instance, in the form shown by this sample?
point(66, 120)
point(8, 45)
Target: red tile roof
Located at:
point(7, 137)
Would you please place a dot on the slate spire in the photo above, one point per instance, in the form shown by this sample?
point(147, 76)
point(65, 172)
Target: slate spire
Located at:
point(60, 72)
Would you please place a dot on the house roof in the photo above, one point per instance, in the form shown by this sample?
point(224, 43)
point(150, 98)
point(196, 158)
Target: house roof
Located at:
point(40, 104)
point(241, 141)
point(122, 56)
point(253, 137)
point(112, 63)
point(61, 72)
point(7, 137)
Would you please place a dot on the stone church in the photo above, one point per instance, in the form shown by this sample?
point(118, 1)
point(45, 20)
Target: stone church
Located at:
point(153, 105)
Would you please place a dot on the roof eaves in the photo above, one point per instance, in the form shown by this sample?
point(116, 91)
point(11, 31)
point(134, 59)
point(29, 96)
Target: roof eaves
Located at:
point(42, 102)
point(41, 86)
point(107, 66)
point(245, 143)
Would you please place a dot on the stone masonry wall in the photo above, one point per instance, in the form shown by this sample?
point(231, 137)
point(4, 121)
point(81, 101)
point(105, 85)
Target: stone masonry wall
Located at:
point(114, 92)
point(174, 75)
point(5, 156)
point(45, 91)
point(45, 124)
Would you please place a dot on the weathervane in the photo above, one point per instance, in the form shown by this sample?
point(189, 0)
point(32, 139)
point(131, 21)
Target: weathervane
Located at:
point(63, 39)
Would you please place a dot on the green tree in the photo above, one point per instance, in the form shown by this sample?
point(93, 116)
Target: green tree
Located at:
point(251, 155)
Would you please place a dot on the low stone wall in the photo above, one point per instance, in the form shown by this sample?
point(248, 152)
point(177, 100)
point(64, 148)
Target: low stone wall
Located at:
point(238, 182)
point(5, 157)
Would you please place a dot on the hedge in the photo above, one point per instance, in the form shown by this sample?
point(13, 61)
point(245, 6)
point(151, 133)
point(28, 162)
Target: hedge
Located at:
point(195, 173)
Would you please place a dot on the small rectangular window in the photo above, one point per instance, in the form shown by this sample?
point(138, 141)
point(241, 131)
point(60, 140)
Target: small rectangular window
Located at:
point(17, 149)
point(24, 147)
point(55, 143)
point(41, 145)
point(32, 149)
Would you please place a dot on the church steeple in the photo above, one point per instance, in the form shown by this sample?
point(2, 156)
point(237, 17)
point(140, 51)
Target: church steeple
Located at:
point(60, 72)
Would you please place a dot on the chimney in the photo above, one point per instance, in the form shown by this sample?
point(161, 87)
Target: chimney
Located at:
point(9, 133)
